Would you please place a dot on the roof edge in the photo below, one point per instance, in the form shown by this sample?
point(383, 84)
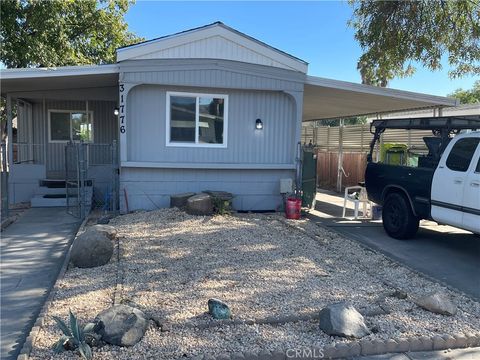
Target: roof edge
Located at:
point(25, 73)
point(376, 90)
point(217, 23)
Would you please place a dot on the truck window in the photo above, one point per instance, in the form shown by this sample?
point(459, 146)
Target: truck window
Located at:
point(477, 170)
point(461, 154)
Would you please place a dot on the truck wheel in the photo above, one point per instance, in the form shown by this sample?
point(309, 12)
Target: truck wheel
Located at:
point(398, 219)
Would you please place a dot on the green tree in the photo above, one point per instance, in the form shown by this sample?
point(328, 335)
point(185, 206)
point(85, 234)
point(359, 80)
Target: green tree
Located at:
point(36, 33)
point(62, 32)
point(355, 120)
point(471, 96)
point(395, 34)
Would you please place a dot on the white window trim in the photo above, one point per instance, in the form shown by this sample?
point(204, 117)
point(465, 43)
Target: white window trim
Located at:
point(197, 116)
point(50, 111)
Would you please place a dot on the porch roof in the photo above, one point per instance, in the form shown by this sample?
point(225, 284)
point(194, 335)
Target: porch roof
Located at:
point(330, 99)
point(66, 77)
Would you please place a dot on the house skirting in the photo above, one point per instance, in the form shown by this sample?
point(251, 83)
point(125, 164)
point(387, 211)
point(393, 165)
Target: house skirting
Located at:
point(150, 188)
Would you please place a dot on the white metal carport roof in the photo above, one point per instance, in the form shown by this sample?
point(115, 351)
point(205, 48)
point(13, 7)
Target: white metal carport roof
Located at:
point(330, 99)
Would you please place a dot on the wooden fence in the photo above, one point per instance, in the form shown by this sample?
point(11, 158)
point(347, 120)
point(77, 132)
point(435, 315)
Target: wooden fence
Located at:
point(354, 164)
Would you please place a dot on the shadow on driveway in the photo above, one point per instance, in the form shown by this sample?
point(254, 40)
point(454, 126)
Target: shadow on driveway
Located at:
point(447, 254)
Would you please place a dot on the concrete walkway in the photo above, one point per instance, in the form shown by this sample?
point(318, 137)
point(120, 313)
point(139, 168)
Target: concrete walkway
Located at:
point(32, 253)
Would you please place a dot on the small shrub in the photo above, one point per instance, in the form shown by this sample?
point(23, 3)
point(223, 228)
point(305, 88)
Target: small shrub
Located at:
point(73, 337)
point(221, 207)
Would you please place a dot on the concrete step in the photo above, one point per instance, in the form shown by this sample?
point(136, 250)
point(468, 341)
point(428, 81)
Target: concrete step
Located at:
point(43, 190)
point(59, 183)
point(54, 200)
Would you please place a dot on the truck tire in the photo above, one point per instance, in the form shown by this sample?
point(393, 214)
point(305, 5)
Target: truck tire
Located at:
point(398, 219)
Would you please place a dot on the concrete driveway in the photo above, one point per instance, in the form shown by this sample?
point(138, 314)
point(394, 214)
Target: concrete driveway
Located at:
point(32, 253)
point(447, 254)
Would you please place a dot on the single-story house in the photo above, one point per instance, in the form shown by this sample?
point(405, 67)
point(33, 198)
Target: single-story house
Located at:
point(207, 108)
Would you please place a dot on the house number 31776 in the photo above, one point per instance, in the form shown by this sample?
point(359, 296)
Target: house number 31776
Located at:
point(122, 109)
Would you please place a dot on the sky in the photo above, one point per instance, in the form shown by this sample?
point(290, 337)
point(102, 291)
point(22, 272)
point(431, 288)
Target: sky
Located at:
point(314, 31)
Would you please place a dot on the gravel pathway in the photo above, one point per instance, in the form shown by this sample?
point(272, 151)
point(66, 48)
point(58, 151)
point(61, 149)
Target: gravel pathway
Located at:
point(262, 266)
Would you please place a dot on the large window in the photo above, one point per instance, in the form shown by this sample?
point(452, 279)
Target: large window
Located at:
point(196, 119)
point(67, 125)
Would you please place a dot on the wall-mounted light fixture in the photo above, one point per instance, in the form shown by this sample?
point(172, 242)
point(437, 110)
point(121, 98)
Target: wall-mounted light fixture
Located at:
point(116, 111)
point(258, 124)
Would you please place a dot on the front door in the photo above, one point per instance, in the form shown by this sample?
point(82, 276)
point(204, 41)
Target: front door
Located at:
point(65, 126)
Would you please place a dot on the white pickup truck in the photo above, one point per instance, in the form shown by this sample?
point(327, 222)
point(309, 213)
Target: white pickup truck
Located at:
point(444, 187)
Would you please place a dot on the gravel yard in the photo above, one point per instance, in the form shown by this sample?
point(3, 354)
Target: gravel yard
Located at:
point(262, 266)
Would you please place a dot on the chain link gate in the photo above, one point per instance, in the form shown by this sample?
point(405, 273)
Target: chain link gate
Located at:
point(79, 159)
point(75, 174)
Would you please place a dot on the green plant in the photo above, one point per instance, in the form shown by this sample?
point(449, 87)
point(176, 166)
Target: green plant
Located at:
point(220, 206)
point(73, 337)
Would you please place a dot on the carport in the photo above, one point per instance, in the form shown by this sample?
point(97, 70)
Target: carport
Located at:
point(333, 99)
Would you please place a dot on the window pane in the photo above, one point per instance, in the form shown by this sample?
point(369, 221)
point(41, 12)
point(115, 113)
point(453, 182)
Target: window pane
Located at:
point(461, 154)
point(59, 126)
point(81, 127)
point(182, 119)
point(211, 120)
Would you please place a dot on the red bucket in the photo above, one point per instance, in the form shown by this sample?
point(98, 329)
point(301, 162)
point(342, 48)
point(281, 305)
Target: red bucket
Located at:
point(293, 208)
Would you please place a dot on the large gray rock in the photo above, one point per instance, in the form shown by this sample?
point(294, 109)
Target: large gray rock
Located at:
point(180, 200)
point(91, 249)
point(108, 230)
point(341, 319)
point(122, 325)
point(437, 302)
point(200, 204)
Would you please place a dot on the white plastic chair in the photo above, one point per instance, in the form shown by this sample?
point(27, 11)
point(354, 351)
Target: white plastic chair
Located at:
point(360, 197)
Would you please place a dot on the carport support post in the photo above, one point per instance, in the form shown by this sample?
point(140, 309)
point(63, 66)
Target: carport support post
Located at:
point(340, 157)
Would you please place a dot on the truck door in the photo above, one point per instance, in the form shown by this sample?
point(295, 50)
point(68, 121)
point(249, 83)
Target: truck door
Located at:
point(471, 196)
point(449, 181)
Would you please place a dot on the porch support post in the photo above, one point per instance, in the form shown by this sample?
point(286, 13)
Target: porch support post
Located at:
point(123, 90)
point(9, 132)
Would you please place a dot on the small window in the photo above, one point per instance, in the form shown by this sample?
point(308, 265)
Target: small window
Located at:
point(477, 170)
point(461, 154)
point(196, 119)
point(70, 126)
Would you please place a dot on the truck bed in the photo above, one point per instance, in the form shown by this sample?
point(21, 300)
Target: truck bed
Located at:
point(416, 183)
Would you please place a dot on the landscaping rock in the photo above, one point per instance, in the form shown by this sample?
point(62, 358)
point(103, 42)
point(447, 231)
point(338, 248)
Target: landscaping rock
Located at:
point(180, 200)
point(220, 195)
point(91, 249)
point(218, 309)
point(105, 219)
point(122, 325)
point(108, 230)
point(399, 294)
point(344, 320)
point(200, 204)
point(438, 302)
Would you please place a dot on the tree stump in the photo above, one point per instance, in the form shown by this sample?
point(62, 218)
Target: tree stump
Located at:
point(180, 200)
point(200, 204)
